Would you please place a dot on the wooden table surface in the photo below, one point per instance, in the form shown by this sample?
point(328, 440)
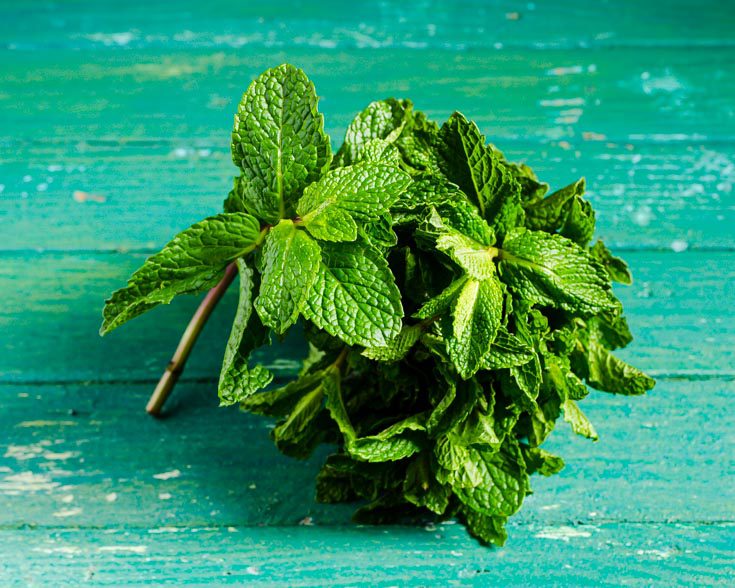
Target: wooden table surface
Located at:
point(114, 134)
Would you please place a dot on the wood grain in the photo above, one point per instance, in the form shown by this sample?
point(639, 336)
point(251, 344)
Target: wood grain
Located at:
point(89, 456)
point(114, 136)
point(647, 195)
point(611, 554)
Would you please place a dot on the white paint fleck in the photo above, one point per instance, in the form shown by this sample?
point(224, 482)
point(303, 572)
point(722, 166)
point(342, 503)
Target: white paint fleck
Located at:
point(60, 456)
point(563, 102)
point(252, 486)
point(44, 423)
point(167, 475)
point(657, 553)
point(679, 245)
point(456, 553)
point(252, 570)
point(564, 533)
point(181, 152)
point(2, 188)
point(67, 498)
point(68, 512)
point(55, 168)
point(111, 39)
point(123, 548)
point(664, 83)
point(27, 178)
point(65, 549)
point(550, 507)
point(24, 452)
point(164, 496)
point(165, 530)
point(111, 497)
point(431, 527)
point(42, 187)
point(643, 216)
point(307, 522)
point(231, 529)
point(26, 482)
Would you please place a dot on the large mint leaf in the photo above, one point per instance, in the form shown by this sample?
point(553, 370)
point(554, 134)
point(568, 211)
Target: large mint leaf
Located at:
point(383, 119)
point(278, 142)
point(476, 316)
point(364, 191)
point(397, 348)
point(479, 171)
point(237, 381)
point(290, 263)
point(398, 441)
point(355, 297)
point(192, 262)
point(552, 270)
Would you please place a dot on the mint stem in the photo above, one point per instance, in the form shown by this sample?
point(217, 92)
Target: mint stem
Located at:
point(176, 366)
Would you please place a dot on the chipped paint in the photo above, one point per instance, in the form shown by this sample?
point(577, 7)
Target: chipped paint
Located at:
point(167, 475)
point(565, 533)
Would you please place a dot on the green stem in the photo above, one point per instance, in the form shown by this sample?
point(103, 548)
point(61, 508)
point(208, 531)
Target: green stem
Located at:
point(176, 366)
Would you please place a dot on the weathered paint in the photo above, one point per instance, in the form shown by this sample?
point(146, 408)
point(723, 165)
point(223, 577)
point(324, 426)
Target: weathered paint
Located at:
point(115, 136)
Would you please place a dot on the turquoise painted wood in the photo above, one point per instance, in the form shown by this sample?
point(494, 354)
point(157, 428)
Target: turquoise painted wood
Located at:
point(114, 135)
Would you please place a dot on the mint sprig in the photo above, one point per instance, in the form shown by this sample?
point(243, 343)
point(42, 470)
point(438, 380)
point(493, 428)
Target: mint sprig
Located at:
point(454, 311)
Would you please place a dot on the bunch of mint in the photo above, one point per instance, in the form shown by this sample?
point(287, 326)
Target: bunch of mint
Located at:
point(453, 311)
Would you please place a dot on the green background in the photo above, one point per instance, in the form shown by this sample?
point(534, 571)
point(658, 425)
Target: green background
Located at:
point(114, 135)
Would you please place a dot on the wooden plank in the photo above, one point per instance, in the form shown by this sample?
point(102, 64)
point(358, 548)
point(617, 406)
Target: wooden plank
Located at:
point(625, 94)
point(605, 555)
point(680, 308)
point(89, 456)
point(138, 197)
point(465, 24)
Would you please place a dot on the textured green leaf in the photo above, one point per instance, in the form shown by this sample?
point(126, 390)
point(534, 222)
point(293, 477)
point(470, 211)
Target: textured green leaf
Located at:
point(397, 348)
point(532, 190)
point(441, 303)
point(417, 143)
point(552, 270)
point(364, 191)
point(475, 258)
point(476, 316)
point(290, 264)
point(278, 142)
point(616, 268)
point(541, 461)
point(384, 119)
point(355, 296)
point(192, 262)
point(576, 419)
point(479, 171)
point(503, 483)
point(506, 351)
point(280, 401)
point(398, 441)
point(298, 434)
point(488, 529)
point(380, 151)
point(565, 212)
point(237, 381)
point(421, 487)
point(610, 374)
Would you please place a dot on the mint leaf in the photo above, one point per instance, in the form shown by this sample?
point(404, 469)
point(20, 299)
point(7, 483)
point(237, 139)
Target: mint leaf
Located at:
point(383, 120)
point(576, 419)
point(552, 270)
point(364, 191)
point(473, 257)
point(237, 381)
point(606, 372)
point(192, 262)
point(290, 264)
point(476, 316)
point(616, 268)
point(278, 142)
point(480, 173)
point(354, 296)
point(397, 348)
